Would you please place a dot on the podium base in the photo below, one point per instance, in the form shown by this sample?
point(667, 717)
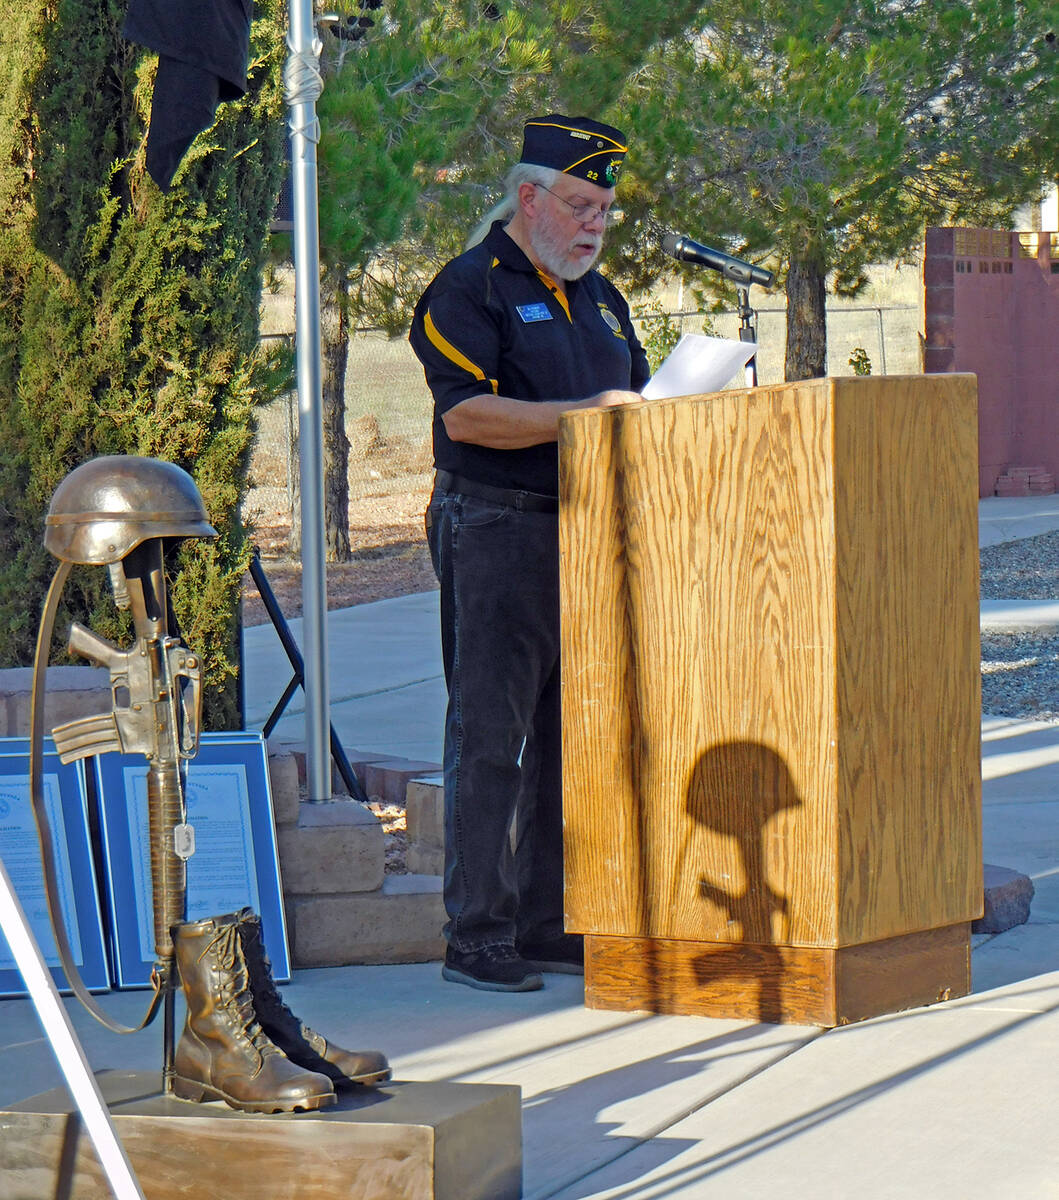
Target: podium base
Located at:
point(792, 985)
point(413, 1141)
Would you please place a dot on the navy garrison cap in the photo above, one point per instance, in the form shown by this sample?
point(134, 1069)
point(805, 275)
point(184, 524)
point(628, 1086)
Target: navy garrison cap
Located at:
point(576, 146)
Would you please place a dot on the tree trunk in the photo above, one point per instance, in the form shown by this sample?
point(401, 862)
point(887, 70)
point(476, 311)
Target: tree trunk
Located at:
point(334, 345)
point(806, 318)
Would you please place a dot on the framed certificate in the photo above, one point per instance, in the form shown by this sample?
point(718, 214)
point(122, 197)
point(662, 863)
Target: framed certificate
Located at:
point(235, 863)
point(66, 803)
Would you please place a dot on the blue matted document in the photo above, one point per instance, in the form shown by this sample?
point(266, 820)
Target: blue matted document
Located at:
point(235, 864)
point(66, 804)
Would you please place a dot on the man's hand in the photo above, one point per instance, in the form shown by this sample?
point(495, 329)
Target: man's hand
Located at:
point(610, 399)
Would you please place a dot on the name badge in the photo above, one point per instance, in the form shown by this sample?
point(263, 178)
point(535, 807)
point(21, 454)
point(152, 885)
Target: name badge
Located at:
point(533, 312)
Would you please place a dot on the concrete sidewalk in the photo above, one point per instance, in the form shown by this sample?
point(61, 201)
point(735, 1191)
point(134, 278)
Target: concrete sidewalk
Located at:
point(385, 678)
point(1010, 518)
point(957, 1100)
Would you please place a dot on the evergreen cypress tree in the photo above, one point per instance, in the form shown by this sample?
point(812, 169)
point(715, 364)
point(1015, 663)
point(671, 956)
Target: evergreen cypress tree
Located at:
point(129, 317)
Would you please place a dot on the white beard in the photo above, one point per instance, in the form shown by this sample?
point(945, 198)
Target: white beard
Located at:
point(554, 250)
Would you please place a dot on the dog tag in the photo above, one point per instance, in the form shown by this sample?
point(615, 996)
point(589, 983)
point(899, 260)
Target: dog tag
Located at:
point(183, 841)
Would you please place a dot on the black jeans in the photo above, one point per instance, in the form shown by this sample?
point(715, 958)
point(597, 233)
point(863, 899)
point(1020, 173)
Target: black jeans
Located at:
point(499, 573)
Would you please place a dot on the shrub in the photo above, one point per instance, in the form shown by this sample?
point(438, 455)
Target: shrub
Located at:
point(129, 317)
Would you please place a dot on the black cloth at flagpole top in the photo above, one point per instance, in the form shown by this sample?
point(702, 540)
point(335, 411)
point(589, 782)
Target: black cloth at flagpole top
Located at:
point(203, 47)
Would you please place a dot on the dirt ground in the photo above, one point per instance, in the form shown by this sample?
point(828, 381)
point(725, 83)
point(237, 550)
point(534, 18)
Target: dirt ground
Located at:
point(390, 558)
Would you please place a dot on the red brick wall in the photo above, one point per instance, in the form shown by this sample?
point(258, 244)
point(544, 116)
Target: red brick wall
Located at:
point(992, 308)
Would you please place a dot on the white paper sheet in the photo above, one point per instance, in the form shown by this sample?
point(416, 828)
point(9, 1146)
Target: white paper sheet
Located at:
point(698, 364)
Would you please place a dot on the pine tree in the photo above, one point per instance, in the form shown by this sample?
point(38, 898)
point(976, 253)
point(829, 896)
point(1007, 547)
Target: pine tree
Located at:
point(820, 138)
point(405, 82)
point(831, 134)
point(130, 316)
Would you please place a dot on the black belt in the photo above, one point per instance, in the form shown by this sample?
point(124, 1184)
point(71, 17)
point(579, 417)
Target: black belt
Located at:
point(509, 497)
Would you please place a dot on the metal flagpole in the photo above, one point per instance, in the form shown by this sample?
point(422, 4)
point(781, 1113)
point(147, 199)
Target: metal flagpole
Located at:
point(303, 85)
point(63, 1040)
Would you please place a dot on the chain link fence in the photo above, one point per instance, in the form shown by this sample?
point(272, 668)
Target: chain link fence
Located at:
point(388, 410)
point(388, 417)
point(887, 335)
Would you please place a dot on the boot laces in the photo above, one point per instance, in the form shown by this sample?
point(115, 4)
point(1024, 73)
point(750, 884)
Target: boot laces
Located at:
point(236, 987)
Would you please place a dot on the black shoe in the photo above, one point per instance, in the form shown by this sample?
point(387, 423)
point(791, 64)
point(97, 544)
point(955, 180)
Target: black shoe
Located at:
point(564, 955)
point(492, 969)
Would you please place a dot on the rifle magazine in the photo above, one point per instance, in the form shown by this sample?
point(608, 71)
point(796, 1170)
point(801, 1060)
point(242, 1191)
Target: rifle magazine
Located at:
point(86, 736)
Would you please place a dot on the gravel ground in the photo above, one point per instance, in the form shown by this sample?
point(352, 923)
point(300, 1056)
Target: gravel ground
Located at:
point(1024, 570)
point(1020, 671)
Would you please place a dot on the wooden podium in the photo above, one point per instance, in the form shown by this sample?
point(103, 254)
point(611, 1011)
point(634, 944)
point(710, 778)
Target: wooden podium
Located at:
point(771, 698)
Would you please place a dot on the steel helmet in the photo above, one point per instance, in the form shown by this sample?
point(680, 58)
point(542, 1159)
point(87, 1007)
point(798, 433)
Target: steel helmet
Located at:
point(107, 506)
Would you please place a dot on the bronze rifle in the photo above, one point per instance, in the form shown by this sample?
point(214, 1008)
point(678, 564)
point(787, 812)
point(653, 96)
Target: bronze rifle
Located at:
point(156, 689)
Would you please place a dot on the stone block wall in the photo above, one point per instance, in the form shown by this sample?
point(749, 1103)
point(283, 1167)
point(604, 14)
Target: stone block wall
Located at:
point(425, 815)
point(340, 905)
point(991, 302)
point(70, 693)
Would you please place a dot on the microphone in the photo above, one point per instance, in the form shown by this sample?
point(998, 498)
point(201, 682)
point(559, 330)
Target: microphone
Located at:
point(684, 249)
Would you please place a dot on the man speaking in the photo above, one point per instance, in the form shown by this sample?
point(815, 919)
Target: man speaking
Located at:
point(514, 332)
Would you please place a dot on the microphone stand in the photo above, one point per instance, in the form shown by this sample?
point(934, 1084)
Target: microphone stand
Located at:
point(736, 271)
point(747, 333)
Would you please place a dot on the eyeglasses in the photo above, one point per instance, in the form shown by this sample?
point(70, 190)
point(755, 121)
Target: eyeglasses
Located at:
point(585, 214)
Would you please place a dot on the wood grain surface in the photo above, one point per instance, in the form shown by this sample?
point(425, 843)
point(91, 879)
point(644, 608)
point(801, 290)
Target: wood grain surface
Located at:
point(770, 663)
point(793, 985)
point(908, 673)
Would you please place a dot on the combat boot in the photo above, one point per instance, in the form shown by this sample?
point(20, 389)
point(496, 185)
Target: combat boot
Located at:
point(223, 1053)
point(298, 1042)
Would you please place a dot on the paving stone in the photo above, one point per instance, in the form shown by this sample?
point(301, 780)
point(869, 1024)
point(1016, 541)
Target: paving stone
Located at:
point(1007, 900)
point(401, 922)
point(425, 812)
point(387, 779)
point(358, 760)
point(423, 860)
point(425, 821)
point(337, 846)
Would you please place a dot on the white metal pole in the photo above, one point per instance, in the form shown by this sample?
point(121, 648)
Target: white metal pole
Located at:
point(65, 1046)
point(303, 87)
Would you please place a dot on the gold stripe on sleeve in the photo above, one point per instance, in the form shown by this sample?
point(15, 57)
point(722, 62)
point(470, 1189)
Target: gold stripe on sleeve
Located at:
point(454, 355)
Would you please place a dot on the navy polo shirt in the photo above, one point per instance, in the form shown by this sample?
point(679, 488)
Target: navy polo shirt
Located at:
point(490, 322)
